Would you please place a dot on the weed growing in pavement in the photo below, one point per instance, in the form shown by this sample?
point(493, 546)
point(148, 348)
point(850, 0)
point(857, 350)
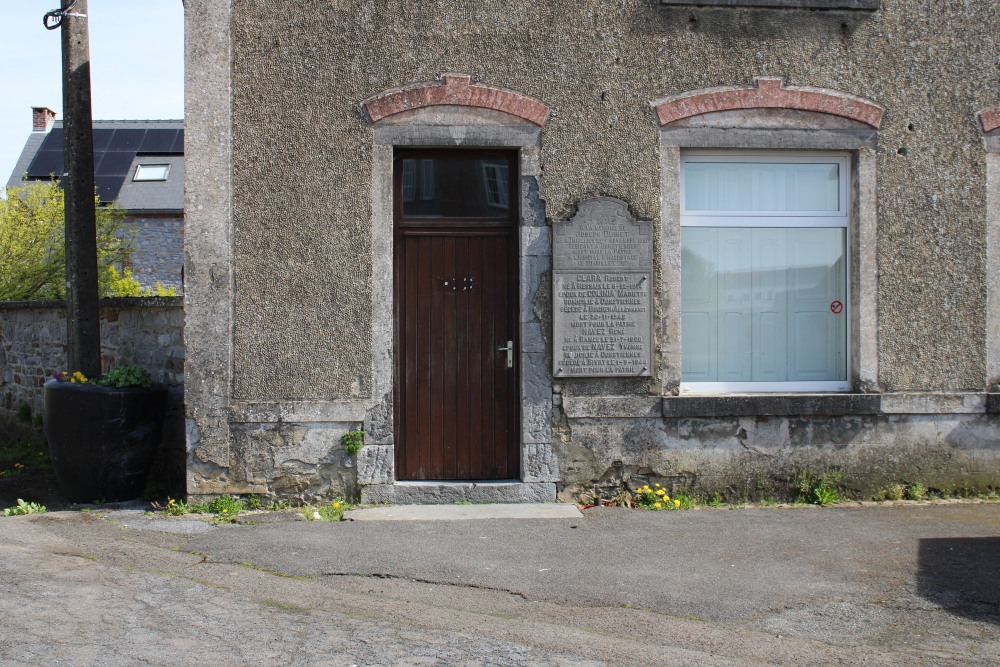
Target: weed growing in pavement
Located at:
point(915, 491)
point(226, 508)
point(332, 511)
point(23, 507)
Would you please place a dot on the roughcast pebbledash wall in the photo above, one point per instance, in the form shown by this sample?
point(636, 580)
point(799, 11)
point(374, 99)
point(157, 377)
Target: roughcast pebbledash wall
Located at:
point(309, 128)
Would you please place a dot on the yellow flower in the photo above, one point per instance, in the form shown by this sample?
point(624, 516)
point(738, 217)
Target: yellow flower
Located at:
point(666, 497)
point(79, 377)
point(657, 485)
point(336, 505)
point(660, 492)
point(225, 511)
point(659, 505)
point(677, 503)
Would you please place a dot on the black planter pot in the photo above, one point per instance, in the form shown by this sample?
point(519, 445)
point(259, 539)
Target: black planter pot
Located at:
point(102, 440)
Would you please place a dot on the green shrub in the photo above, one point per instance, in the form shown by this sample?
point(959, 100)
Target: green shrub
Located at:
point(915, 491)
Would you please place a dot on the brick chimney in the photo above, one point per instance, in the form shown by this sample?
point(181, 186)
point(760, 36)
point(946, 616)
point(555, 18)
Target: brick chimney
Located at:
point(41, 119)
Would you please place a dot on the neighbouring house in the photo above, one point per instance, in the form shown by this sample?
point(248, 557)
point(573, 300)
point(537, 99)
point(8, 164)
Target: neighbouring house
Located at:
point(543, 249)
point(139, 163)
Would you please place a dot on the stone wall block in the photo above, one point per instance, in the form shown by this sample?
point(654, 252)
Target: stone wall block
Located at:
point(536, 241)
point(535, 384)
point(375, 464)
point(532, 207)
point(540, 463)
point(536, 421)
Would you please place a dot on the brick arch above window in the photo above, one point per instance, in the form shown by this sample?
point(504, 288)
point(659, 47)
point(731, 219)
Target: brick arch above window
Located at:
point(768, 93)
point(455, 90)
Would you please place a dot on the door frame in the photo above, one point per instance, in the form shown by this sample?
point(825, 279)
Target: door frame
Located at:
point(442, 227)
point(462, 127)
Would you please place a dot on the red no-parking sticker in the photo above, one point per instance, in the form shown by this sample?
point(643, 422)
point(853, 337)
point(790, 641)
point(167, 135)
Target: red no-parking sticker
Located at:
point(836, 307)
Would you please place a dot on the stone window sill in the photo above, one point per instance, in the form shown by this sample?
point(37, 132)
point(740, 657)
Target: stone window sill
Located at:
point(863, 5)
point(771, 405)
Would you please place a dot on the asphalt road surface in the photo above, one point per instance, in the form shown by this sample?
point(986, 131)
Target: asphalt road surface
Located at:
point(887, 585)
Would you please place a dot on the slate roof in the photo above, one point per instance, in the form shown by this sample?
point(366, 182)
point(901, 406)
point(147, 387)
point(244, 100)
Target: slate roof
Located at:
point(119, 146)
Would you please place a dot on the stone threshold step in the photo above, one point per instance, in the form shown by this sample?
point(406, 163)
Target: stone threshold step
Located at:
point(466, 512)
point(449, 493)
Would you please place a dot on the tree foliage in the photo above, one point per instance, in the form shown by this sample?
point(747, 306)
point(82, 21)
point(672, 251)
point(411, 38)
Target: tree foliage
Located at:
point(33, 245)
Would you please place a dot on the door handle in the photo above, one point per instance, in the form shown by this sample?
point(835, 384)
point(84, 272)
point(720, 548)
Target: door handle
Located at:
point(509, 349)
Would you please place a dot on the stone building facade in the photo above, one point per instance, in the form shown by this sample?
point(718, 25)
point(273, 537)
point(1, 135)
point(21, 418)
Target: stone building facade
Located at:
point(535, 249)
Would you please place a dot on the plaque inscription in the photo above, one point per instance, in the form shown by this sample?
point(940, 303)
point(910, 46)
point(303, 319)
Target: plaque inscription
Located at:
point(602, 306)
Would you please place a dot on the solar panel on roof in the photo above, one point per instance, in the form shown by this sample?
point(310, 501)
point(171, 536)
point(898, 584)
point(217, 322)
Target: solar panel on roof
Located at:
point(178, 146)
point(53, 141)
point(126, 140)
point(101, 139)
point(114, 163)
point(108, 187)
point(45, 164)
point(158, 141)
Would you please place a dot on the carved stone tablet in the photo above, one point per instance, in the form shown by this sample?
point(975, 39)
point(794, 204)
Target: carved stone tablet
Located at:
point(602, 305)
point(602, 234)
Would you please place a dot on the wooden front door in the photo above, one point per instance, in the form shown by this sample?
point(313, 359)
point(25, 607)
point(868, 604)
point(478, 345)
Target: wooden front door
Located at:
point(457, 403)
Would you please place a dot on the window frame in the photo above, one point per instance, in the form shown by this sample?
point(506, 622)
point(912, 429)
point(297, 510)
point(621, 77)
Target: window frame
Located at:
point(153, 165)
point(841, 219)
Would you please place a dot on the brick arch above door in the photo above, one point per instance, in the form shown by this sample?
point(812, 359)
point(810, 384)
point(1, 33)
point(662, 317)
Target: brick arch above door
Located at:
point(455, 90)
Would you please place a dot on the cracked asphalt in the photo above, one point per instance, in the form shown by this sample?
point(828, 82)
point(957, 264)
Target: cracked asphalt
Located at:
point(876, 585)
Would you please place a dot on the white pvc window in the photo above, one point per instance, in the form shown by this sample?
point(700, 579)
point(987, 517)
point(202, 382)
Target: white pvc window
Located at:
point(151, 172)
point(764, 254)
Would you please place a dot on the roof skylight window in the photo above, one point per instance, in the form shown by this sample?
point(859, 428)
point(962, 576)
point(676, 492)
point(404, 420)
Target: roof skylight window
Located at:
point(151, 172)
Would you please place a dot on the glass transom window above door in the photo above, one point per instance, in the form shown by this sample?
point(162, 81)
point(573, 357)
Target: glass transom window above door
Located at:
point(764, 255)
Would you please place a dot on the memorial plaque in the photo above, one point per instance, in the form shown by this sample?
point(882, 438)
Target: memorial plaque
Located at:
point(602, 305)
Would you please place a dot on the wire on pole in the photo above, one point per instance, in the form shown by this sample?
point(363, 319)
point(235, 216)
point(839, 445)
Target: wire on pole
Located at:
point(54, 19)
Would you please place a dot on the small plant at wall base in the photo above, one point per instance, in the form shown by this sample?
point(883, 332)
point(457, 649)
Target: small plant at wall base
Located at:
point(332, 511)
point(819, 489)
point(352, 442)
point(654, 498)
point(23, 508)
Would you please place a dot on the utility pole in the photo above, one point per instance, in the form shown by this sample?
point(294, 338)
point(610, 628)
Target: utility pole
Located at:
point(83, 325)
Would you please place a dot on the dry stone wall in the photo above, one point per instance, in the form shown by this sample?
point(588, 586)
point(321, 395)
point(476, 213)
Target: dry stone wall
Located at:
point(145, 331)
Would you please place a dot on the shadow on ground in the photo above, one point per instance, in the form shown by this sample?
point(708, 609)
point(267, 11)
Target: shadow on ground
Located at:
point(961, 574)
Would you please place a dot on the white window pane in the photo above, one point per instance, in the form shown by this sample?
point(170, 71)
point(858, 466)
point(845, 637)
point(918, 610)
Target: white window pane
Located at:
point(151, 172)
point(817, 268)
point(761, 186)
point(763, 304)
